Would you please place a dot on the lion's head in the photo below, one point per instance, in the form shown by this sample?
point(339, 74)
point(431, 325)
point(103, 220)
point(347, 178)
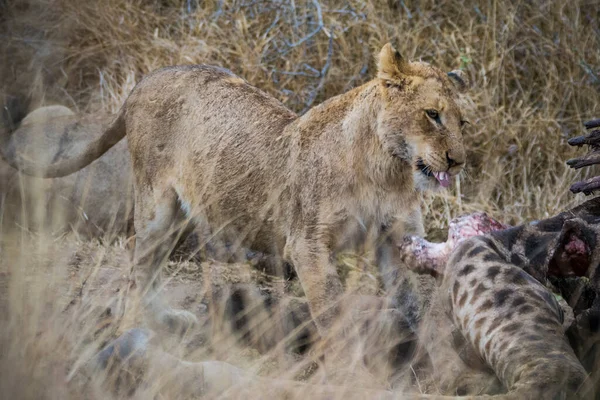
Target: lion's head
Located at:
point(421, 121)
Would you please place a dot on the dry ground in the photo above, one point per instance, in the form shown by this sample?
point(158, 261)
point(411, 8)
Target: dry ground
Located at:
point(536, 70)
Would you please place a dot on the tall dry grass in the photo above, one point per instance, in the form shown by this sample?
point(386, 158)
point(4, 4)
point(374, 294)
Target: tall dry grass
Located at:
point(535, 68)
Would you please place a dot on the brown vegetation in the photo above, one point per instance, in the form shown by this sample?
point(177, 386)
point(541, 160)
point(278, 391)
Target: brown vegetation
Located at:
point(536, 73)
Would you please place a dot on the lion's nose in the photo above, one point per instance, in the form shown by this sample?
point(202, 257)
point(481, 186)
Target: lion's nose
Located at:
point(453, 161)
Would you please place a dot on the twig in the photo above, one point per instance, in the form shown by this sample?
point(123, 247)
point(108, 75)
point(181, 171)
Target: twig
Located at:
point(219, 11)
point(273, 24)
point(298, 73)
point(315, 92)
point(314, 32)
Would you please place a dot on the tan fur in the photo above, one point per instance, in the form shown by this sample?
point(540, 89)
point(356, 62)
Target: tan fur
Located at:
point(244, 167)
point(98, 200)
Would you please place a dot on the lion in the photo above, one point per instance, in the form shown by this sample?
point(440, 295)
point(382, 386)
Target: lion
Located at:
point(210, 149)
point(95, 202)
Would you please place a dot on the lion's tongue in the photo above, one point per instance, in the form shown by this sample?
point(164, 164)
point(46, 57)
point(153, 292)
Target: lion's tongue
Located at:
point(443, 178)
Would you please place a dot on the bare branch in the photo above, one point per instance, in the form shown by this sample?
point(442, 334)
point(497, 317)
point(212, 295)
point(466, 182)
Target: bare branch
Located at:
point(317, 90)
point(317, 29)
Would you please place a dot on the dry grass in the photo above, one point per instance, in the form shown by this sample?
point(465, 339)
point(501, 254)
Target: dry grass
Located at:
point(535, 68)
point(535, 65)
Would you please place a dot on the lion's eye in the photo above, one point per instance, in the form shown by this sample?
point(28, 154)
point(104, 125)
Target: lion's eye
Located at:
point(433, 114)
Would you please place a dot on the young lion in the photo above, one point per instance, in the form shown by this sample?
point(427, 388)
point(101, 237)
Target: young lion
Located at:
point(207, 147)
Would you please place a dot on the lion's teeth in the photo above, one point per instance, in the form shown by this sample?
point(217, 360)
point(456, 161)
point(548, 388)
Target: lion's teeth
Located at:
point(443, 178)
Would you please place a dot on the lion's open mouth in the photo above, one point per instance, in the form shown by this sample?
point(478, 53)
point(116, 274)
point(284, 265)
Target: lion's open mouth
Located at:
point(443, 178)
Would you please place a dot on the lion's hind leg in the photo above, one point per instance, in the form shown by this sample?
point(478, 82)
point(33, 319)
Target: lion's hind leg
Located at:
point(159, 223)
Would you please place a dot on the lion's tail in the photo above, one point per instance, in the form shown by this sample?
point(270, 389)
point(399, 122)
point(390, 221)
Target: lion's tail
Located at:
point(94, 149)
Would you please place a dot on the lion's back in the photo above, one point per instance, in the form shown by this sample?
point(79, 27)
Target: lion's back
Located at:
point(210, 135)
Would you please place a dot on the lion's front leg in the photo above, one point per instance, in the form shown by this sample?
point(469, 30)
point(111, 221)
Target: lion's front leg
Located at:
point(337, 315)
point(319, 279)
point(391, 262)
point(413, 225)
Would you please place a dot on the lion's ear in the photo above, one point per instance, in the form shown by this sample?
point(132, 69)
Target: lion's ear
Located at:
point(460, 80)
point(391, 64)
